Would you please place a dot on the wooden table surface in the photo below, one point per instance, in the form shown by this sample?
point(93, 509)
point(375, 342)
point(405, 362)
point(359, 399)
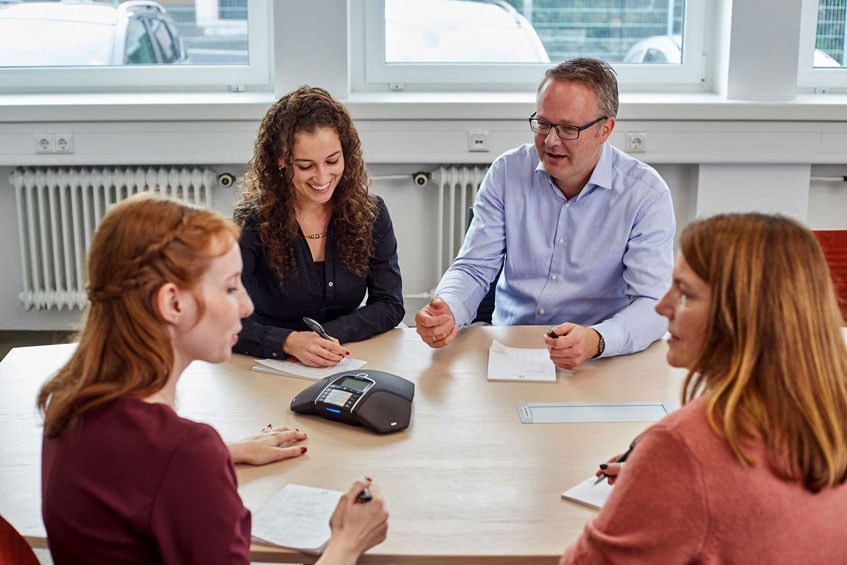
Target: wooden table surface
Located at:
point(467, 482)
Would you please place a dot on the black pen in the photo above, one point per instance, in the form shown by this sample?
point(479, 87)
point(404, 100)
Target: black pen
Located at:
point(551, 333)
point(364, 496)
point(316, 327)
point(620, 459)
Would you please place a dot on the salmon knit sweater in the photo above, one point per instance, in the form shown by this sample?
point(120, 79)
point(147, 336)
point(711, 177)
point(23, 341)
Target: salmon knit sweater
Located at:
point(685, 498)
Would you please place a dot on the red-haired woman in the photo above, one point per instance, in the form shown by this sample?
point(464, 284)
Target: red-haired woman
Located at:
point(124, 478)
point(753, 468)
point(314, 241)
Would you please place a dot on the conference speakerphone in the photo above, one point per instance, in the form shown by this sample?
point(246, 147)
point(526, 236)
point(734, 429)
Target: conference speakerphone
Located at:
point(374, 399)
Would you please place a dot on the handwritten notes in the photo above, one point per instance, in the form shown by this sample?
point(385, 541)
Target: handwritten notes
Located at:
point(301, 371)
point(590, 494)
point(296, 517)
point(513, 364)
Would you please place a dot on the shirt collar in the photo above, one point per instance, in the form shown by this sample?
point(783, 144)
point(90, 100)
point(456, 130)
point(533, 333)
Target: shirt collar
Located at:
point(601, 176)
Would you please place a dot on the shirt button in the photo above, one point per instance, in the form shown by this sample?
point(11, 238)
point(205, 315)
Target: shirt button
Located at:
point(541, 311)
point(330, 283)
point(567, 204)
point(561, 240)
point(554, 277)
point(274, 354)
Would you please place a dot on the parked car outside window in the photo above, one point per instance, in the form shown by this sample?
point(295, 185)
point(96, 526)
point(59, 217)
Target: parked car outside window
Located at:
point(57, 34)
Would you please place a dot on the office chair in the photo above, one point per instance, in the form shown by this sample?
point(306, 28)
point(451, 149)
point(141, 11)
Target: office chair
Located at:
point(486, 307)
point(834, 245)
point(13, 547)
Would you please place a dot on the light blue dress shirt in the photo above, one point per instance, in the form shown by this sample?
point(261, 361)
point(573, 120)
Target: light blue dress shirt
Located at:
point(602, 259)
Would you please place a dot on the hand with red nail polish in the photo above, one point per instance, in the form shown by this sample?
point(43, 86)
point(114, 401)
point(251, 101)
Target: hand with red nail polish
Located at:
point(272, 444)
point(312, 350)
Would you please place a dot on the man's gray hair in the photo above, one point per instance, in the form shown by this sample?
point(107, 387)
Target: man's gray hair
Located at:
point(597, 74)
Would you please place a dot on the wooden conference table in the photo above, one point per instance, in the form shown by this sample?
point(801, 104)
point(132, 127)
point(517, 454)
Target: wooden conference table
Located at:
point(467, 482)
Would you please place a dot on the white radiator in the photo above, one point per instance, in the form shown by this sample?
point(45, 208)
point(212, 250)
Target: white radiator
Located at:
point(457, 186)
point(59, 209)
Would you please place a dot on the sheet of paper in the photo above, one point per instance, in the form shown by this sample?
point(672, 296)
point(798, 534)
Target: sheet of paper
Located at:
point(296, 517)
point(589, 494)
point(301, 371)
point(514, 364)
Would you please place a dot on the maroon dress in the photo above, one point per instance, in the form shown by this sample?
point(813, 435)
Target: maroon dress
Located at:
point(135, 483)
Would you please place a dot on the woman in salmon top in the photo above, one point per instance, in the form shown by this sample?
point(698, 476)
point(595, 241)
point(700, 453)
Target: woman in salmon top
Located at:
point(752, 468)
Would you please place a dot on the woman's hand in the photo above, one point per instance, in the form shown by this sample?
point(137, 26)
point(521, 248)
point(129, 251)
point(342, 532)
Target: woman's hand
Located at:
point(273, 444)
point(356, 526)
point(311, 349)
point(611, 469)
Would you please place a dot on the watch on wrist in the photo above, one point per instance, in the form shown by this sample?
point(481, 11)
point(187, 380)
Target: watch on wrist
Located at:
point(601, 347)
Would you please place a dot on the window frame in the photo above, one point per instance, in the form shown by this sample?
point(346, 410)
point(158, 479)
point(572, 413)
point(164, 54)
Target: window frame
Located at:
point(122, 78)
point(807, 75)
point(377, 71)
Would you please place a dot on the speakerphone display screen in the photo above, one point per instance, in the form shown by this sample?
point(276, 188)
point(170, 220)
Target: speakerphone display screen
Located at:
point(355, 384)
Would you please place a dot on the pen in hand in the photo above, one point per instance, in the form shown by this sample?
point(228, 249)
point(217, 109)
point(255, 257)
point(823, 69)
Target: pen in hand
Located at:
point(620, 459)
point(552, 334)
point(317, 328)
point(365, 495)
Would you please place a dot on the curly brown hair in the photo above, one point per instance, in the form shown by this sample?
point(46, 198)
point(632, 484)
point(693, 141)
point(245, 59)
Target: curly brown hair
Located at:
point(267, 194)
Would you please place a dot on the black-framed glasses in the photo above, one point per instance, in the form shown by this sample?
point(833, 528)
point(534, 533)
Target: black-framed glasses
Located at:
point(565, 131)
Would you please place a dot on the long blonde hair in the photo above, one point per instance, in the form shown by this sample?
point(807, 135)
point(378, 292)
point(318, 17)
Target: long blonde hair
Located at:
point(773, 363)
point(124, 349)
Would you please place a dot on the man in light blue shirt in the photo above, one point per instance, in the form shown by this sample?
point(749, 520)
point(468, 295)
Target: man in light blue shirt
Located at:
point(583, 231)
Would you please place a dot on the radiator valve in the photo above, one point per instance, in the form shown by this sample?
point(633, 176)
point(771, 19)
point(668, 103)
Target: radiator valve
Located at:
point(226, 180)
point(420, 179)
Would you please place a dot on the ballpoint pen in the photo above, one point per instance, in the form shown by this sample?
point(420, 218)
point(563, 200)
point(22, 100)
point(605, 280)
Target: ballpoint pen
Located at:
point(365, 495)
point(316, 327)
point(551, 333)
point(620, 459)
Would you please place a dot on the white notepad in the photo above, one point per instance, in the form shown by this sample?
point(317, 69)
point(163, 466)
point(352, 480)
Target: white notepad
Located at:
point(589, 494)
point(301, 371)
point(297, 517)
point(513, 364)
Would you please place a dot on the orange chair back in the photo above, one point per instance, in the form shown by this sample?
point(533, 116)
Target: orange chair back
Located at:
point(834, 244)
point(13, 547)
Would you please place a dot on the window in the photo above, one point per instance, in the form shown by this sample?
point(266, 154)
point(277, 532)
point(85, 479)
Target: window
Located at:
point(488, 41)
point(139, 48)
point(823, 43)
point(134, 44)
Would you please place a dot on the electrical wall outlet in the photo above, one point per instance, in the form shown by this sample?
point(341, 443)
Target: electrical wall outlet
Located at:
point(43, 143)
point(478, 140)
point(636, 142)
point(54, 143)
point(64, 143)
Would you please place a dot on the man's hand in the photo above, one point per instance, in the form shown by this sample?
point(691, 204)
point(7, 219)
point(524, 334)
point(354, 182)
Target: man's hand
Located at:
point(436, 324)
point(574, 345)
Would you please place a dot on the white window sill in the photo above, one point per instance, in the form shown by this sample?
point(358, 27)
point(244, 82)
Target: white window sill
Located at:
point(251, 106)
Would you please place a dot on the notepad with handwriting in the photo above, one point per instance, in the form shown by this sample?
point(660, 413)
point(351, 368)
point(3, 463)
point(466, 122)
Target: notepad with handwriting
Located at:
point(297, 517)
point(514, 364)
point(590, 494)
point(301, 371)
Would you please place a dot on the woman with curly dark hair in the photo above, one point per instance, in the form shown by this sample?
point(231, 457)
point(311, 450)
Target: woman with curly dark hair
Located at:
point(313, 240)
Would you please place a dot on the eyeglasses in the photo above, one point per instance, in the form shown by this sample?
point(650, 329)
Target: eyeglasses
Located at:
point(564, 131)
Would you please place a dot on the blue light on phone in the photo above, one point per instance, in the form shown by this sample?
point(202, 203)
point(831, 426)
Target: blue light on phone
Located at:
point(334, 410)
